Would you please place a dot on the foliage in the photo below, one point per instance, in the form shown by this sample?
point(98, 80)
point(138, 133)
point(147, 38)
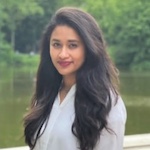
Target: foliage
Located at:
point(19, 60)
point(12, 13)
point(5, 54)
point(25, 60)
point(15, 12)
point(70, 3)
point(125, 24)
point(4, 46)
point(32, 27)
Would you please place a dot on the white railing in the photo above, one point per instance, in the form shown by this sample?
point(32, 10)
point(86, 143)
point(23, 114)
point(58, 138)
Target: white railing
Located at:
point(131, 142)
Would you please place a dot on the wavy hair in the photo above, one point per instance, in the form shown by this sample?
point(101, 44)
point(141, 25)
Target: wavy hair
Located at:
point(95, 80)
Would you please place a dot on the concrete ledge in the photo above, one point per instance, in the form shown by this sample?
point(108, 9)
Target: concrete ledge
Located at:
point(131, 142)
point(137, 142)
point(16, 148)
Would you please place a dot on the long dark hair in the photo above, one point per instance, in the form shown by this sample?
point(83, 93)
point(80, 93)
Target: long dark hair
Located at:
point(95, 80)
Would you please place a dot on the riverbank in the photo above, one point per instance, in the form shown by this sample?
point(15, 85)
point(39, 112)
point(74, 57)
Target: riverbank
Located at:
point(20, 60)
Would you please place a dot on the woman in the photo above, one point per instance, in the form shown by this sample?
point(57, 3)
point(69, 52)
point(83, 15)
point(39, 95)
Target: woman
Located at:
point(76, 104)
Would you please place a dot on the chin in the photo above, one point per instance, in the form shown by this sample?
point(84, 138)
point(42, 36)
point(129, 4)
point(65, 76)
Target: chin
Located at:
point(67, 74)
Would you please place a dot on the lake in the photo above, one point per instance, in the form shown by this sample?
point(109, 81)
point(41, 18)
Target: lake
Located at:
point(16, 87)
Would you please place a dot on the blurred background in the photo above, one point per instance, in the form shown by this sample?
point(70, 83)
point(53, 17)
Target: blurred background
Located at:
point(126, 28)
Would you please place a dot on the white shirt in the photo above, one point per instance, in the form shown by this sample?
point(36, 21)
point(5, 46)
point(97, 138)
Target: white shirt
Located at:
point(58, 134)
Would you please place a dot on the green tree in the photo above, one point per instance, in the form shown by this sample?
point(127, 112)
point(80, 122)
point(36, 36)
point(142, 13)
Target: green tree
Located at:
point(134, 36)
point(126, 25)
point(2, 17)
point(5, 50)
point(70, 3)
point(32, 27)
point(16, 11)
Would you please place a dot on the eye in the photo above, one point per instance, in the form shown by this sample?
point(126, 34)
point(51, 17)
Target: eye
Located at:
point(56, 45)
point(73, 45)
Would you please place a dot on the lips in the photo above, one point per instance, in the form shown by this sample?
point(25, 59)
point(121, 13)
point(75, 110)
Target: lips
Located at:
point(64, 63)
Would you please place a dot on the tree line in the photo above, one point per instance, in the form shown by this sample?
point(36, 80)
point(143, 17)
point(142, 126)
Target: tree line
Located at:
point(125, 25)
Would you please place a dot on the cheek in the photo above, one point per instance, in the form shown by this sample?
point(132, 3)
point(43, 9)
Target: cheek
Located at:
point(52, 57)
point(50, 52)
point(81, 59)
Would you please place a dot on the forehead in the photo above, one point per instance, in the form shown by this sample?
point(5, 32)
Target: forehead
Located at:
point(65, 32)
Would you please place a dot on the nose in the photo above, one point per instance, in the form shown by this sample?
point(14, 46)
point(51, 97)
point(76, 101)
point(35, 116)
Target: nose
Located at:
point(63, 53)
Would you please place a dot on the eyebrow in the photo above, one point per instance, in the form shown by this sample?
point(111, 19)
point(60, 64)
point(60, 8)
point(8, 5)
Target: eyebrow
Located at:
point(55, 40)
point(72, 40)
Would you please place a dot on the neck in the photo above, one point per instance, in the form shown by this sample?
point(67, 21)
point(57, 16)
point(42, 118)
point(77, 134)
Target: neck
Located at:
point(68, 82)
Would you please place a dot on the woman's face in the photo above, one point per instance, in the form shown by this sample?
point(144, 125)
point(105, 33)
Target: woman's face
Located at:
point(66, 50)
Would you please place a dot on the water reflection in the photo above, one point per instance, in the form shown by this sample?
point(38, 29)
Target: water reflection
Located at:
point(136, 84)
point(135, 89)
point(16, 86)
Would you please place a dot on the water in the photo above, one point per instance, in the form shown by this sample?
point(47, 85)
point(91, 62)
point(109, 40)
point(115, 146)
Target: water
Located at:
point(16, 87)
point(135, 89)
